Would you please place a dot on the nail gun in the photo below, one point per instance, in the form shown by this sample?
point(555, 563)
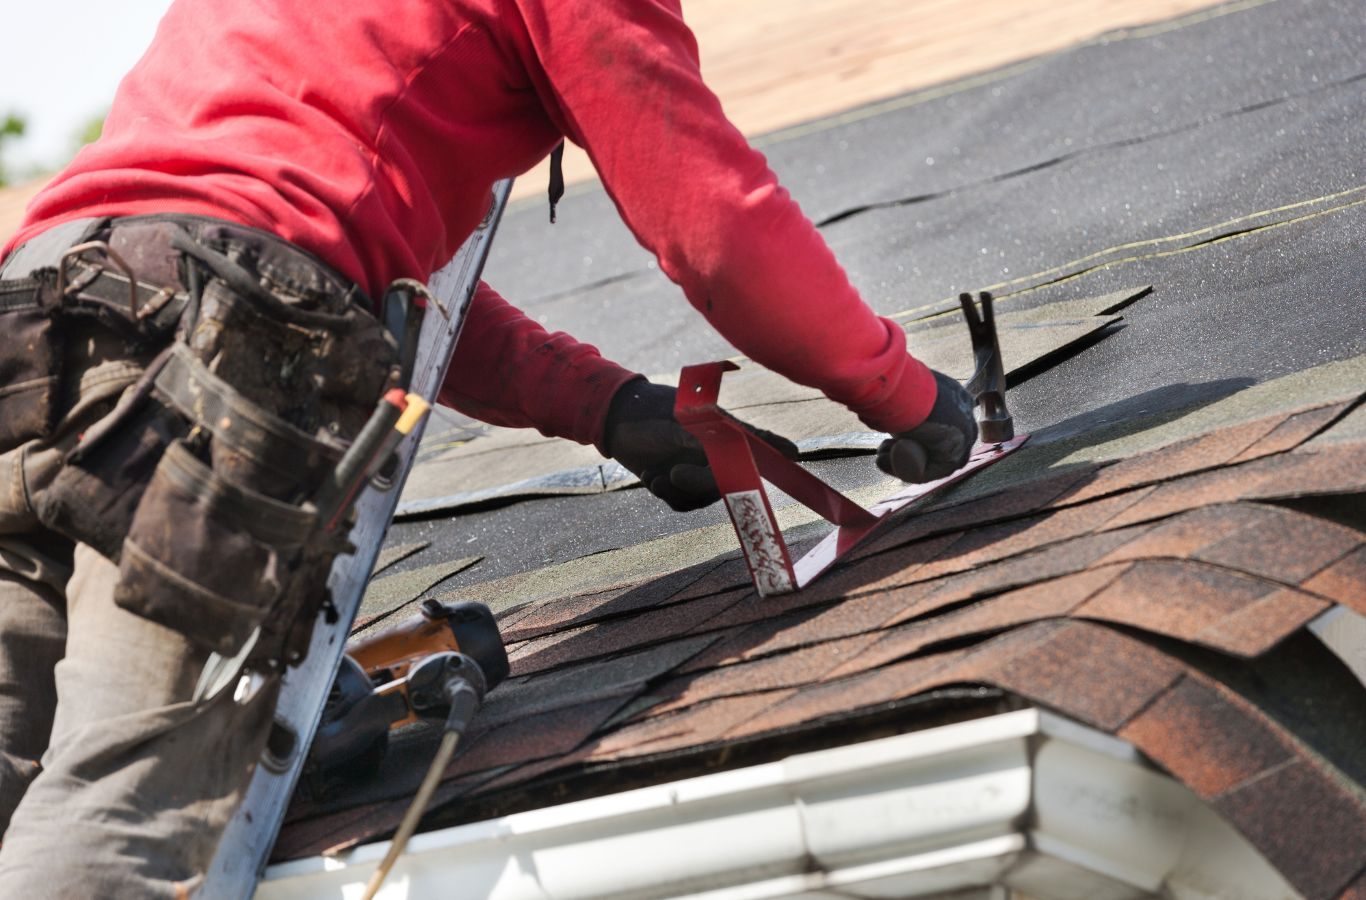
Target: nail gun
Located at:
point(396, 677)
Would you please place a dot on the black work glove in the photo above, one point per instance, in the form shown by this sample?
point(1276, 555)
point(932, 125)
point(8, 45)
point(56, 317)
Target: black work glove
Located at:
point(643, 435)
point(940, 445)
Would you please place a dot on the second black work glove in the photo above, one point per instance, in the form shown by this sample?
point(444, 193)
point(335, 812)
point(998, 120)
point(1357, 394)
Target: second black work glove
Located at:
point(940, 445)
point(643, 435)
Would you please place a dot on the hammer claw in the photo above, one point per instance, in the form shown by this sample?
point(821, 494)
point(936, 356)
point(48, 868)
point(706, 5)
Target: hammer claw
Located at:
point(988, 383)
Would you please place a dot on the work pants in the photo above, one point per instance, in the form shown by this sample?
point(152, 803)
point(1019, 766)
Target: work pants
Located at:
point(114, 782)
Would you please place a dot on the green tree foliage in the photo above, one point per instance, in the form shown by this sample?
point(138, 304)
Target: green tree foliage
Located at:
point(90, 132)
point(12, 126)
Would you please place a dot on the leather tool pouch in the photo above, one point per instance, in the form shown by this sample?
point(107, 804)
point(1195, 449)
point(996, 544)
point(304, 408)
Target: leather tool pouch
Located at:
point(30, 376)
point(208, 558)
point(94, 496)
point(197, 484)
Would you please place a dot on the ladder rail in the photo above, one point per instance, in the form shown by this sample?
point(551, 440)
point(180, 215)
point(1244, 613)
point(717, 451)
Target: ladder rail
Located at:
point(245, 847)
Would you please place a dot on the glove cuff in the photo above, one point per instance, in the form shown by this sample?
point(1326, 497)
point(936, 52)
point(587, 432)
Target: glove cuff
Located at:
point(633, 398)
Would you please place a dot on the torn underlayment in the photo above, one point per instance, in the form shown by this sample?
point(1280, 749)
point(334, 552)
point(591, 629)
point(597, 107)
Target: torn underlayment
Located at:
point(503, 464)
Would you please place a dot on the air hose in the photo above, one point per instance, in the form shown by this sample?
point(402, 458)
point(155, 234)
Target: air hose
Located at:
point(460, 684)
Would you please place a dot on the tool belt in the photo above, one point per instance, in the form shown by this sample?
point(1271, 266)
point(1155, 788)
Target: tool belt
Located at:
point(264, 364)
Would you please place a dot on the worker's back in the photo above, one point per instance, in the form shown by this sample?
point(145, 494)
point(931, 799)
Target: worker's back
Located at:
point(371, 137)
point(368, 133)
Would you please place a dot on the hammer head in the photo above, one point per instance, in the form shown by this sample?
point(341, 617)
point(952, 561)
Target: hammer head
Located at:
point(988, 383)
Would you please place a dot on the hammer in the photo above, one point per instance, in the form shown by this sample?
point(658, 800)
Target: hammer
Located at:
point(988, 383)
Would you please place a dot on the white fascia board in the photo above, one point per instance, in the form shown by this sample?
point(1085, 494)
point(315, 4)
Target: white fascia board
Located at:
point(1025, 799)
point(1107, 826)
point(1111, 817)
point(928, 873)
point(707, 833)
point(933, 873)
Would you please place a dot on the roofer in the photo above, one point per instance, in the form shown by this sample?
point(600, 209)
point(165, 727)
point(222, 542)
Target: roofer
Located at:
point(266, 171)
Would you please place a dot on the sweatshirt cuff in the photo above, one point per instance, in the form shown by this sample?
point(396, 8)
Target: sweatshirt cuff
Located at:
point(908, 401)
point(584, 418)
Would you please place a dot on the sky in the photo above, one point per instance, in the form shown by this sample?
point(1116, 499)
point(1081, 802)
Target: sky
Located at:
point(62, 60)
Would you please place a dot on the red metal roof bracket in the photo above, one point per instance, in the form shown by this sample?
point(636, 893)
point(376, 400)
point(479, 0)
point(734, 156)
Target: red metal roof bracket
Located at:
point(741, 461)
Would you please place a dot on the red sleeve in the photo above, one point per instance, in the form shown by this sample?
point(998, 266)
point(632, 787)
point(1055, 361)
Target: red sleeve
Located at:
point(508, 370)
point(623, 78)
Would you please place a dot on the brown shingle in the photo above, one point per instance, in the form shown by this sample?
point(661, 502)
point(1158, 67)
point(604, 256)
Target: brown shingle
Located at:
point(694, 727)
point(1356, 890)
point(622, 674)
point(687, 729)
point(1206, 451)
point(336, 832)
point(1260, 625)
point(1308, 827)
point(903, 565)
point(1051, 562)
point(1330, 469)
point(900, 564)
point(509, 617)
point(845, 695)
point(1086, 671)
point(1186, 533)
point(1282, 545)
point(856, 615)
point(616, 636)
point(323, 834)
point(1182, 494)
point(1344, 581)
point(1333, 469)
point(786, 670)
point(537, 619)
point(730, 574)
point(984, 545)
point(547, 734)
point(753, 608)
point(1179, 598)
point(1050, 599)
point(553, 615)
point(1207, 737)
point(1089, 672)
point(1292, 432)
point(731, 644)
point(1021, 500)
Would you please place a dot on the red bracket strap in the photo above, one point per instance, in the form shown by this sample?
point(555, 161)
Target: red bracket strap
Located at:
point(741, 462)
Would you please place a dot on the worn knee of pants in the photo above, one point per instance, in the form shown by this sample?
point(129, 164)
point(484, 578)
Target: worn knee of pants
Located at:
point(32, 637)
point(118, 769)
point(139, 779)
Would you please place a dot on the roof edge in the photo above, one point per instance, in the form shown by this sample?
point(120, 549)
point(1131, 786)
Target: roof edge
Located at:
point(1026, 799)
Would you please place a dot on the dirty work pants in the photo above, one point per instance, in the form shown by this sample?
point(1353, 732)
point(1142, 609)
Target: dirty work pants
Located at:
point(114, 782)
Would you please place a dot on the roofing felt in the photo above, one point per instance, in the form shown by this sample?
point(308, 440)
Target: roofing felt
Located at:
point(493, 463)
point(778, 64)
point(1148, 564)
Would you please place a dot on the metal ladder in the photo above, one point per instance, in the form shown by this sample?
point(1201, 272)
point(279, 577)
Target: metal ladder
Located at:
point(246, 844)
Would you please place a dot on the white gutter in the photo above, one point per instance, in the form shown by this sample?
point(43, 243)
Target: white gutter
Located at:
point(1024, 800)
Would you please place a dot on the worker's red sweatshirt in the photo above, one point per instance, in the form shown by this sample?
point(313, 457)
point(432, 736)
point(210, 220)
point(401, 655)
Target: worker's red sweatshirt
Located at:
point(370, 133)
